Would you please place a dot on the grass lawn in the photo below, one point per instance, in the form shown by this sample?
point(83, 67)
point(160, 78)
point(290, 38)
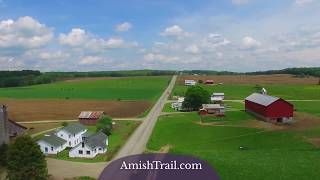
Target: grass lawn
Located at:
point(270, 154)
point(167, 108)
point(231, 117)
point(133, 88)
point(309, 107)
point(241, 91)
point(39, 127)
point(234, 105)
point(122, 130)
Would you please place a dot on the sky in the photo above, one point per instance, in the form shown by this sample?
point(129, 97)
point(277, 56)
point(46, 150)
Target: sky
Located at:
point(96, 35)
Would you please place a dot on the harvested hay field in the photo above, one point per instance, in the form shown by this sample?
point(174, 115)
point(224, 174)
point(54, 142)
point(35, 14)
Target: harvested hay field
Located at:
point(39, 127)
point(254, 79)
point(36, 110)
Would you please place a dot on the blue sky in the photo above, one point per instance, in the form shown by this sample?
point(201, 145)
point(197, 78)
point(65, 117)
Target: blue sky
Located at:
point(88, 35)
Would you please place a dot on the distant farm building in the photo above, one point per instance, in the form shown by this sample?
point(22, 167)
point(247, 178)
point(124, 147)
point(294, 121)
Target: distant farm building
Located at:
point(215, 109)
point(208, 81)
point(269, 108)
point(8, 128)
point(217, 97)
point(177, 105)
point(190, 82)
point(90, 117)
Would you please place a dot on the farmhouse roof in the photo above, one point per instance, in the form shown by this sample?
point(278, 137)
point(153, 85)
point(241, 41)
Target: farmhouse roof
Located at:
point(74, 128)
point(217, 94)
point(53, 140)
point(264, 100)
point(96, 140)
point(212, 106)
point(91, 114)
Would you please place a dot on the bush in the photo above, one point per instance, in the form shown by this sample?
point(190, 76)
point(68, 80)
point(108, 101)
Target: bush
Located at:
point(25, 160)
point(3, 155)
point(104, 124)
point(64, 124)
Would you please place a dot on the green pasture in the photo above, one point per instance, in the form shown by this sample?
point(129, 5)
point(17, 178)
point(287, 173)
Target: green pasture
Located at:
point(132, 88)
point(268, 155)
point(311, 107)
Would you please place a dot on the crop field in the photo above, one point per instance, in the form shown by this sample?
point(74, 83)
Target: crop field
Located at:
point(118, 97)
point(133, 88)
point(55, 109)
point(271, 153)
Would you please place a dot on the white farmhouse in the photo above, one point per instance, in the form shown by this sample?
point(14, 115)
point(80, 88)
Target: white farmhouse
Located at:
point(72, 133)
point(51, 144)
point(91, 146)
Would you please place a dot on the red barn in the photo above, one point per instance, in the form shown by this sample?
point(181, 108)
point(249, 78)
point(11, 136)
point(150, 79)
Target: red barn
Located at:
point(209, 81)
point(269, 108)
point(90, 117)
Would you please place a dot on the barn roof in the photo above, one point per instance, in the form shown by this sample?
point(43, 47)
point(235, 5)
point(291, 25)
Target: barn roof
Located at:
point(91, 114)
point(96, 140)
point(74, 128)
point(53, 140)
point(264, 100)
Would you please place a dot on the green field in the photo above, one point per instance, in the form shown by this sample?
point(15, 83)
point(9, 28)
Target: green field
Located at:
point(269, 154)
point(133, 88)
point(241, 91)
point(311, 107)
point(121, 132)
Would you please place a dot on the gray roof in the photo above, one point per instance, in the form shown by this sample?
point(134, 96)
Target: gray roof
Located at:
point(212, 106)
point(53, 140)
point(74, 128)
point(96, 140)
point(264, 100)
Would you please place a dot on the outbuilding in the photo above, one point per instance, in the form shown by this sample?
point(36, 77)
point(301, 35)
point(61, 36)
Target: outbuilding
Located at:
point(217, 97)
point(269, 108)
point(90, 117)
point(52, 144)
point(215, 109)
point(190, 82)
point(209, 81)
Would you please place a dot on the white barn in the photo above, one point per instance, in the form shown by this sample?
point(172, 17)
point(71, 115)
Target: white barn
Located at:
point(51, 144)
point(217, 97)
point(72, 133)
point(91, 146)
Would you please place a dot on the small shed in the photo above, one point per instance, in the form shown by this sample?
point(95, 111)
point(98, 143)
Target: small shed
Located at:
point(215, 109)
point(190, 82)
point(90, 117)
point(269, 108)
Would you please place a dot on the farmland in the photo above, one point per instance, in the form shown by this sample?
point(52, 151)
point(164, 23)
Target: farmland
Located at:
point(135, 88)
point(269, 153)
point(239, 87)
point(118, 97)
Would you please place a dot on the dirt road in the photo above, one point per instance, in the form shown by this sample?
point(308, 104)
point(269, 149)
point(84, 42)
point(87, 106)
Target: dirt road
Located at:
point(136, 144)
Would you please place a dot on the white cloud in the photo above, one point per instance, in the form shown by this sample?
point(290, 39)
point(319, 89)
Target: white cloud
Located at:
point(76, 37)
point(250, 43)
point(90, 60)
point(160, 57)
point(114, 43)
point(193, 49)
point(239, 2)
point(302, 2)
point(25, 32)
point(174, 31)
point(126, 26)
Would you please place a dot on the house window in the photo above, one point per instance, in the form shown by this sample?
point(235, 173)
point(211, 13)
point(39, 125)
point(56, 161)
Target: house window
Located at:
point(61, 135)
point(100, 149)
point(69, 143)
point(82, 145)
point(88, 152)
point(74, 135)
point(69, 136)
point(46, 149)
point(51, 148)
point(80, 152)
